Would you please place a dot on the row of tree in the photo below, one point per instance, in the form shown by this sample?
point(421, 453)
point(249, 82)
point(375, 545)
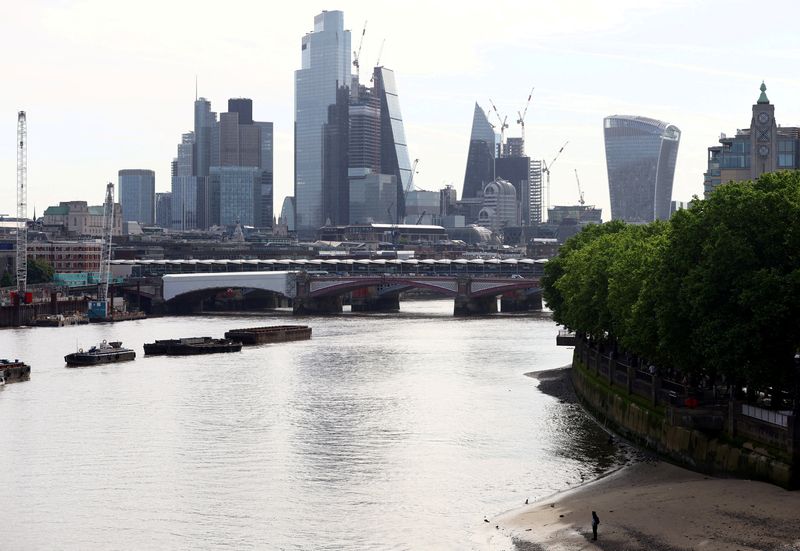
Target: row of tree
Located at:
point(714, 291)
point(39, 271)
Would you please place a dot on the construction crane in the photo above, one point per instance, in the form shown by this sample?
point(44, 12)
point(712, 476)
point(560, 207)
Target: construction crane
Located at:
point(546, 169)
point(357, 54)
point(410, 186)
point(378, 62)
point(580, 193)
point(421, 216)
point(101, 308)
point(503, 126)
point(22, 206)
point(521, 119)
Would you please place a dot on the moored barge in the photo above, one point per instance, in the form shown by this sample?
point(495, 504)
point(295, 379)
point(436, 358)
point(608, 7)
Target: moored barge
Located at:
point(14, 371)
point(190, 346)
point(271, 334)
point(103, 353)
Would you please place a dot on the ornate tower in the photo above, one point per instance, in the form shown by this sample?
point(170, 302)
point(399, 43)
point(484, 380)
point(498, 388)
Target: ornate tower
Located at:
point(763, 136)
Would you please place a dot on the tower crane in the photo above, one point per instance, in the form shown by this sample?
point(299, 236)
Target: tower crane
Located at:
point(547, 168)
point(22, 205)
point(378, 62)
point(521, 119)
point(580, 193)
point(357, 55)
point(503, 125)
point(101, 308)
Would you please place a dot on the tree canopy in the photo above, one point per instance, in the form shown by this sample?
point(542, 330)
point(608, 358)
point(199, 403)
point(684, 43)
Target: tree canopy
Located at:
point(716, 290)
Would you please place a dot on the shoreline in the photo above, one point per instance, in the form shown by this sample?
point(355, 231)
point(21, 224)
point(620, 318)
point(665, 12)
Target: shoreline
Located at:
point(650, 505)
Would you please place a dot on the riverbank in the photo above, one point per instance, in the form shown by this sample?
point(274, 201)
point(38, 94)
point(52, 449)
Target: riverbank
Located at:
point(655, 506)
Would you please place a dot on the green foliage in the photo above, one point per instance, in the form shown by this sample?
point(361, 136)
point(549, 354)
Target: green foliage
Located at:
point(716, 290)
point(6, 280)
point(39, 271)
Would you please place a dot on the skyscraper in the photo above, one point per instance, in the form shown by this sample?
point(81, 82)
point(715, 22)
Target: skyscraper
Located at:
point(137, 190)
point(480, 158)
point(184, 186)
point(325, 66)
point(163, 209)
point(640, 156)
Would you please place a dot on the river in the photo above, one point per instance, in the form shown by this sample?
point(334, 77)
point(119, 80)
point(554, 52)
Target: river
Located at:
point(384, 431)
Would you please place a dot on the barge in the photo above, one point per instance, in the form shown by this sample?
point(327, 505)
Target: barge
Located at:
point(14, 371)
point(120, 316)
point(271, 334)
point(191, 346)
point(59, 320)
point(103, 353)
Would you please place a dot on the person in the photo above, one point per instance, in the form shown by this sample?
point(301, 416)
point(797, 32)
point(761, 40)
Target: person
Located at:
point(595, 522)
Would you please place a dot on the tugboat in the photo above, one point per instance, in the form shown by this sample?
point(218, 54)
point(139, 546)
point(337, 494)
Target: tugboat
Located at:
point(190, 346)
point(14, 371)
point(103, 353)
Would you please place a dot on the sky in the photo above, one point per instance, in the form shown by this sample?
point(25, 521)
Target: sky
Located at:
point(110, 85)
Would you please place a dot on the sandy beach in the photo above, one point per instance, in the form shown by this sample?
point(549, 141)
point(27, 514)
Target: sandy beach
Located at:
point(650, 505)
point(656, 506)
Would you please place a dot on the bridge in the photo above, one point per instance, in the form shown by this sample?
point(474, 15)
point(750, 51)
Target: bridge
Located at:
point(323, 285)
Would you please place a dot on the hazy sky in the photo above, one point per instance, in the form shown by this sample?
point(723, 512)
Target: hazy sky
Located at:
point(109, 85)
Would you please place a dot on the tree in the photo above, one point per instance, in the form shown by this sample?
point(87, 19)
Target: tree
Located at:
point(39, 271)
point(6, 280)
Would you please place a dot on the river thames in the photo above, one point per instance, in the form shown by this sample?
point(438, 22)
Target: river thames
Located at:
point(384, 431)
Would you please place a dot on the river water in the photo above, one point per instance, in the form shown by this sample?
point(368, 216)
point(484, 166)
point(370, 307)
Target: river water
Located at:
point(395, 431)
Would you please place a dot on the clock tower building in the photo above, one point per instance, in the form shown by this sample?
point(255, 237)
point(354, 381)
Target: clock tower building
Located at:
point(763, 136)
point(762, 147)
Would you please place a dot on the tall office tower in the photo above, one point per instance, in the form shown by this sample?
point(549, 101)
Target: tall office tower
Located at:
point(184, 186)
point(335, 144)
point(163, 209)
point(480, 159)
point(325, 66)
point(242, 106)
point(137, 190)
point(267, 178)
point(764, 146)
point(514, 147)
point(394, 149)
point(535, 199)
point(517, 171)
point(205, 122)
point(640, 156)
point(287, 213)
point(447, 201)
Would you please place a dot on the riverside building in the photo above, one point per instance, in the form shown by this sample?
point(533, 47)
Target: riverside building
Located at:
point(764, 146)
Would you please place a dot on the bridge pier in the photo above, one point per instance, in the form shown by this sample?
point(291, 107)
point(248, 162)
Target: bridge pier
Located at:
point(519, 301)
point(390, 303)
point(317, 305)
point(475, 306)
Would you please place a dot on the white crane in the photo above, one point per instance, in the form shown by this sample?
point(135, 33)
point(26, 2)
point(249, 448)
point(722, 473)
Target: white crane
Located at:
point(580, 193)
point(22, 205)
point(503, 126)
point(547, 168)
point(102, 309)
point(357, 56)
point(521, 119)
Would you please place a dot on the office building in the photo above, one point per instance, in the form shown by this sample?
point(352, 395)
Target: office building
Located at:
point(394, 149)
point(762, 147)
point(163, 209)
point(137, 190)
point(499, 206)
point(287, 214)
point(79, 219)
point(640, 157)
point(325, 67)
point(480, 157)
point(423, 207)
point(184, 187)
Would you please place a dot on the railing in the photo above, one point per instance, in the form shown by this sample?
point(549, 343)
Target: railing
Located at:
point(773, 417)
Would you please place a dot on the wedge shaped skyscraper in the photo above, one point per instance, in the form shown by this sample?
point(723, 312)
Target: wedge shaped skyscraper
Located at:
point(640, 157)
point(480, 159)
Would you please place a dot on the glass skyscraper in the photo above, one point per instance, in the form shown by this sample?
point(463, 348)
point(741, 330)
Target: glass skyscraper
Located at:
point(137, 189)
point(325, 66)
point(480, 158)
point(640, 156)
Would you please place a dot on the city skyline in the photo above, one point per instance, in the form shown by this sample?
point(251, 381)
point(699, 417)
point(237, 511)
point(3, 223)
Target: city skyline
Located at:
point(103, 95)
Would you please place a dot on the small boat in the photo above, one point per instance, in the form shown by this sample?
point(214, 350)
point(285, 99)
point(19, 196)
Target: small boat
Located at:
point(14, 371)
point(270, 334)
point(103, 353)
point(190, 346)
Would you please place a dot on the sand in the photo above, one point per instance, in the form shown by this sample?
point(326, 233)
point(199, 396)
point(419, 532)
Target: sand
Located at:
point(655, 506)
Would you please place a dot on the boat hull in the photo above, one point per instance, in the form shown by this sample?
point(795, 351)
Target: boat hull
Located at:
point(87, 358)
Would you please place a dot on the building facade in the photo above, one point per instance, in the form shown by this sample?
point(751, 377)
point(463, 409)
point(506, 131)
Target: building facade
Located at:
point(137, 189)
point(499, 208)
point(481, 155)
point(79, 219)
point(325, 67)
point(640, 157)
point(762, 147)
point(68, 256)
point(163, 209)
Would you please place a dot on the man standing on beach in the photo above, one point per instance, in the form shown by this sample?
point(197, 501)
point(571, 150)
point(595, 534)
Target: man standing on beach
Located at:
point(595, 522)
